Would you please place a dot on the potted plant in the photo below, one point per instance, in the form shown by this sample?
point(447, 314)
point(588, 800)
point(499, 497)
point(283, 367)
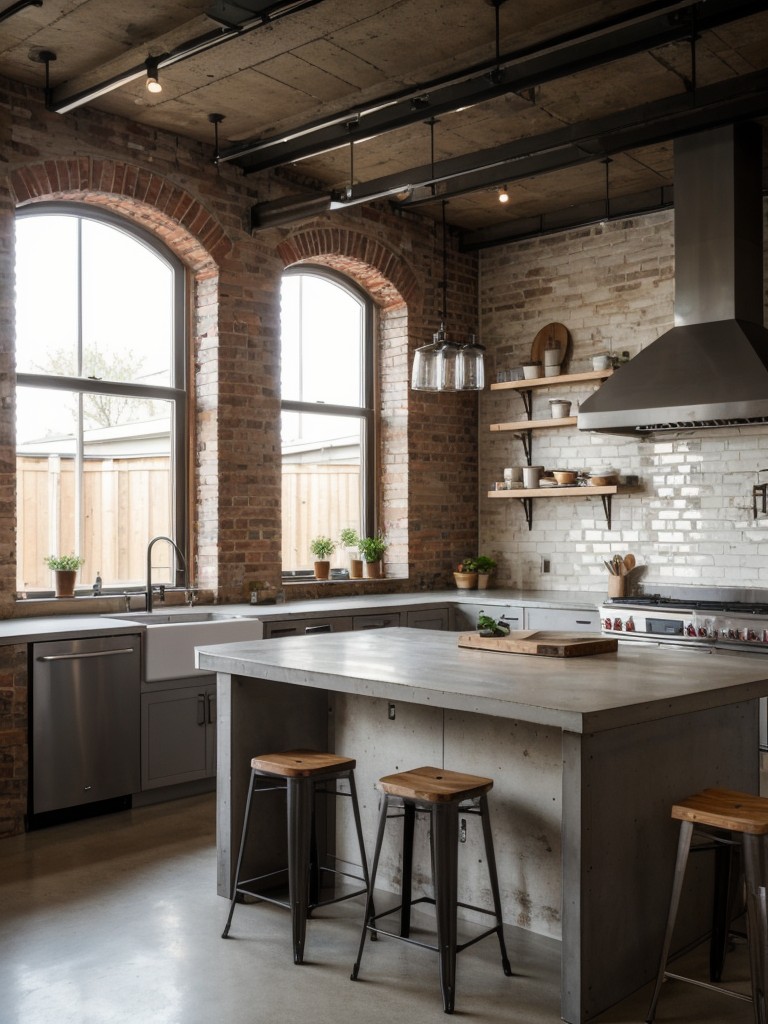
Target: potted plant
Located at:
point(322, 548)
point(372, 549)
point(65, 569)
point(351, 541)
point(485, 567)
point(465, 575)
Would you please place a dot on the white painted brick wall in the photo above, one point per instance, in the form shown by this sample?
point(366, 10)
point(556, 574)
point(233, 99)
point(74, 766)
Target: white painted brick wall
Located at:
point(692, 523)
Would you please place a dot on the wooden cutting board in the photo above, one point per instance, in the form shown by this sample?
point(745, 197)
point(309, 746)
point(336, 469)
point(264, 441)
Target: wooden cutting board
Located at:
point(542, 642)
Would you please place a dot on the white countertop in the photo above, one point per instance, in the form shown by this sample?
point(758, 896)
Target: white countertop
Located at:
point(582, 694)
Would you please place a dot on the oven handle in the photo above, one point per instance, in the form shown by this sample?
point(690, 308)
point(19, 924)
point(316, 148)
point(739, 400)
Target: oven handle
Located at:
point(85, 654)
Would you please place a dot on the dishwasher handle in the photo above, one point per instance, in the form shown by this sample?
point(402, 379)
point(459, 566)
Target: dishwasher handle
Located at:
point(85, 654)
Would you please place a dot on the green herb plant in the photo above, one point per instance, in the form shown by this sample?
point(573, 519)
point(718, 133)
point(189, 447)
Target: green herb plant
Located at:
point(322, 547)
point(67, 563)
point(491, 627)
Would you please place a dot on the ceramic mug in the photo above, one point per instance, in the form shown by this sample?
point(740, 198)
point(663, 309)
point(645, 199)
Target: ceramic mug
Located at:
point(532, 475)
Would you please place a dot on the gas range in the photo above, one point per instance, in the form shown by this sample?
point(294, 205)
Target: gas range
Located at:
point(737, 620)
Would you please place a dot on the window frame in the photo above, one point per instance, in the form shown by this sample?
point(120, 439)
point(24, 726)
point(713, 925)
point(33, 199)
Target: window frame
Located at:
point(365, 412)
point(176, 394)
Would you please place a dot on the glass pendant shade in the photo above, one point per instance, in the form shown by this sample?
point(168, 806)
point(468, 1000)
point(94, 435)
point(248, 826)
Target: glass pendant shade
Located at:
point(450, 352)
point(471, 375)
point(425, 374)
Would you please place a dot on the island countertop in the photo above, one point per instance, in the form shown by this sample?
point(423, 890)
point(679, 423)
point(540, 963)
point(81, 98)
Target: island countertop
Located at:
point(582, 694)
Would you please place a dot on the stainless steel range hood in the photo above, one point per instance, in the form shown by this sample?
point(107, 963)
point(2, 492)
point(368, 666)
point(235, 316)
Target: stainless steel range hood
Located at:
point(711, 369)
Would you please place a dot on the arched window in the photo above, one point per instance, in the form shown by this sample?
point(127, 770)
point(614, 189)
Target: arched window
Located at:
point(327, 411)
point(101, 396)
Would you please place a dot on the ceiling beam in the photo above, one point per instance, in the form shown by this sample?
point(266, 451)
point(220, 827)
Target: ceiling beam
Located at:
point(725, 102)
point(63, 99)
point(644, 28)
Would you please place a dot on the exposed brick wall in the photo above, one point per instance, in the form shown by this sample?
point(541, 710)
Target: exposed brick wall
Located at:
point(428, 443)
point(13, 738)
point(613, 287)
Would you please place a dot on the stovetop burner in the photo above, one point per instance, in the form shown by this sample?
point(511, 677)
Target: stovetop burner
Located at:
point(657, 601)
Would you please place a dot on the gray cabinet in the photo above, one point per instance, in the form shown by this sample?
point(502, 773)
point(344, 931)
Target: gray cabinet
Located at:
point(465, 615)
point(380, 621)
point(428, 618)
point(300, 626)
point(178, 734)
point(570, 619)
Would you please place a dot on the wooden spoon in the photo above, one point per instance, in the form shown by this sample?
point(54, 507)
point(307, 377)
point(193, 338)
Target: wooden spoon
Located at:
point(629, 562)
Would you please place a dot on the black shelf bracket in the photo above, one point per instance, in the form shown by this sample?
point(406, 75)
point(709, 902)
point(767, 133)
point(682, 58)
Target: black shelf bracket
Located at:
point(607, 508)
point(527, 504)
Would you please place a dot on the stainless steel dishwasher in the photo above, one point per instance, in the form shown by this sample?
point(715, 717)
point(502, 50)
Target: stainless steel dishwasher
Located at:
point(85, 721)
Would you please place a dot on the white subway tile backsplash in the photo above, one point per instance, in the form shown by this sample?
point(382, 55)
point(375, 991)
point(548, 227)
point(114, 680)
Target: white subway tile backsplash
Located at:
point(692, 518)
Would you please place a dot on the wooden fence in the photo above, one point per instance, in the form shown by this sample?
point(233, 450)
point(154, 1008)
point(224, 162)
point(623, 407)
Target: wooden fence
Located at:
point(127, 501)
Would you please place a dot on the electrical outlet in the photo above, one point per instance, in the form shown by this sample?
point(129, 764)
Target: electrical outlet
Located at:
point(545, 564)
point(391, 712)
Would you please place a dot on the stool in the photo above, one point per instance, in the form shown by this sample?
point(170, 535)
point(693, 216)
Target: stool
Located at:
point(727, 817)
point(442, 794)
point(300, 774)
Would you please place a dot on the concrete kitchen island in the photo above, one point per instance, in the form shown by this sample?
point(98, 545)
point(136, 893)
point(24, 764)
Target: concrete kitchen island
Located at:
point(588, 754)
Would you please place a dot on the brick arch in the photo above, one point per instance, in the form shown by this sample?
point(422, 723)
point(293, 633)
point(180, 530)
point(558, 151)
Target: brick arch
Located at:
point(392, 284)
point(141, 195)
point(382, 271)
point(189, 230)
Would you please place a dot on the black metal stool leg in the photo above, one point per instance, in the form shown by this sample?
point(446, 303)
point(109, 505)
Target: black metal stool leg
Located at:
point(369, 899)
point(445, 823)
point(236, 880)
point(683, 846)
point(757, 922)
point(299, 834)
point(490, 856)
point(361, 844)
point(409, 817)
point(721, 907)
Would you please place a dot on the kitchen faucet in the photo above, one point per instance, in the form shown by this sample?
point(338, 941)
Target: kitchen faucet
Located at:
point(182, 565)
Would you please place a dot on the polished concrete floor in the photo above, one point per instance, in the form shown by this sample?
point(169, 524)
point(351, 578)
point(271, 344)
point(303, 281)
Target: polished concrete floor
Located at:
point(116, 921)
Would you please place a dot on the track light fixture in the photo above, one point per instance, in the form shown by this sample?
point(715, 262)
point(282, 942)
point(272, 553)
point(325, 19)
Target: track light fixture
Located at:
point(153, 79)
point(503, 194)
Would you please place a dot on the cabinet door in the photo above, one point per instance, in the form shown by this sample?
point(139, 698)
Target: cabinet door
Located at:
point(570, 619)
point(175, 736)
point(465, 615)
point(428, 618)
point(376, 621)
point(300, 627)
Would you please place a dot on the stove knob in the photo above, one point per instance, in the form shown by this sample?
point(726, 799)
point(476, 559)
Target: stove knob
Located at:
point(752, 635)
point(607, 624)
point(630, 625)
point(702, 630)
point(617, 623)
point(690, 629)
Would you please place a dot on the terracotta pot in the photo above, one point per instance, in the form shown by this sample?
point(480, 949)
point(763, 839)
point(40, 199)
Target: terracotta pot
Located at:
point(355, 568)
point(374, 570)
point(482, 580)
point(465, 580)
point(322, 570)
point(65, 582)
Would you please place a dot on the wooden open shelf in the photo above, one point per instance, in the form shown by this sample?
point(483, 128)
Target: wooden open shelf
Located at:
point(526, 495)
point(563, 421)
point(545, 382)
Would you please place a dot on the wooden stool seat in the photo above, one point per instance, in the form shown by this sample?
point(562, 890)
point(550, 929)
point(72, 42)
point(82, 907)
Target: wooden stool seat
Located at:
point(301, 775)
point(726, 809)
point(729, 819)
point(442, 794)
point(301, 764)
point(434, 785)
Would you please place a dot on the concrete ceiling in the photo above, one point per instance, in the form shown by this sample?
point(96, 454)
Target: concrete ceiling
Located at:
point(419, 100)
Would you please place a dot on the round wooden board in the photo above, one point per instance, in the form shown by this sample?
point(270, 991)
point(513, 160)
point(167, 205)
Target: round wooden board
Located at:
point(552, 332)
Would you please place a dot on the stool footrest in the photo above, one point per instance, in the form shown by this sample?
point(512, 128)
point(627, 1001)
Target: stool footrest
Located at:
point(670, 976)
point(370, 926)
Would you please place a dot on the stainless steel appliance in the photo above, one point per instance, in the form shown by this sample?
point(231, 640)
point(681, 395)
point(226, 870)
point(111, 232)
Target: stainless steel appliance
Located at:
point(719, 618)
point(85, 722)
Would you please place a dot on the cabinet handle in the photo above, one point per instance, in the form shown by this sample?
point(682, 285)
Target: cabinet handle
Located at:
point(201, 709)
point(211, 701)
point(373, 625)
point(584, 622)
point(325, 628)
point(287, 631)
point(85, 654)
